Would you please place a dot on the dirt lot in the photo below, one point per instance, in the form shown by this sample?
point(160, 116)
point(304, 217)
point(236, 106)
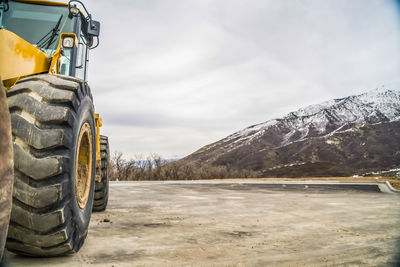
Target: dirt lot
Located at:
point(235, 224)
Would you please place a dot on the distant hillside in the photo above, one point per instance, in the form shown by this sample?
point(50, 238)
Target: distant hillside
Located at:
point(340, 137)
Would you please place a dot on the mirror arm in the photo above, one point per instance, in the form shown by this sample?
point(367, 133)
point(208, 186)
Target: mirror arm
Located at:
point(71, 1)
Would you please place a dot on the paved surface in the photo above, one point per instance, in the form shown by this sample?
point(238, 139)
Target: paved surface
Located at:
point(233, 224)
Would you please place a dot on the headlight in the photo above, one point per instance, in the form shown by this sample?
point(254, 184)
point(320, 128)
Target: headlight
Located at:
point(68, 42)
point(74, 10)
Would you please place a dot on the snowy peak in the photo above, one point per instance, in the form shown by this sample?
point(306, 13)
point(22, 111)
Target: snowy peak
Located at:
point(381, 101)
point(376, 97)
point(378, 105)
point(338, 137)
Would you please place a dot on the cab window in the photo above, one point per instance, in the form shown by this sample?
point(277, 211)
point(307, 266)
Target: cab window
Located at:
point(35, 23)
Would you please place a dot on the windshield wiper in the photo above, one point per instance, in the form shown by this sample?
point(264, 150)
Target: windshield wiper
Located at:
point(49, 37)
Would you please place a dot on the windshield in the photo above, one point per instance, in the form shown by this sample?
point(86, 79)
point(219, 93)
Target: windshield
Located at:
point(37, 23)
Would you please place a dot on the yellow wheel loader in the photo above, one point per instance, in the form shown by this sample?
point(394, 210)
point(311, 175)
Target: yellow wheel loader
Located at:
point(53, 160)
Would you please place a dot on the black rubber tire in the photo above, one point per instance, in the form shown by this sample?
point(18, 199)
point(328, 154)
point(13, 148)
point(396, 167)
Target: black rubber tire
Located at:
point(47, 113)
point(6, 169)
point(102, 188)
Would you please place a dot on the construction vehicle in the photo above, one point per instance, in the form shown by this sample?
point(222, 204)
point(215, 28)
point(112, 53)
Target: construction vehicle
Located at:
point(53, 160)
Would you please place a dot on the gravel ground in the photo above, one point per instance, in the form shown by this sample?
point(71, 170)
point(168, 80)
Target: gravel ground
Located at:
point(235, 224)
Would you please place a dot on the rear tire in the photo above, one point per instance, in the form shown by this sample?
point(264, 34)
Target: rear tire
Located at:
point(102, 188)
point(6, 169)
point(53, 128)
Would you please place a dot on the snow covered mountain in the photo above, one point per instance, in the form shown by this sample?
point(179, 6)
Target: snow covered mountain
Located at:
point(345, 136)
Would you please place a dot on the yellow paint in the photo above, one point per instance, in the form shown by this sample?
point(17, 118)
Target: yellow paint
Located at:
point(39, 2)
point(83, 165)
point(99, 123)
point(55, 63)
point(19, 58)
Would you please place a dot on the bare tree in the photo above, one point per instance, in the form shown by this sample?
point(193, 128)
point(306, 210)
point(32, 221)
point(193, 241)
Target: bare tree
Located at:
point(154, 167)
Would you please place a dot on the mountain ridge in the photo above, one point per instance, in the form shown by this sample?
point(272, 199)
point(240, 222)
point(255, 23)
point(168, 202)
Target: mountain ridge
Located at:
point(338, 122)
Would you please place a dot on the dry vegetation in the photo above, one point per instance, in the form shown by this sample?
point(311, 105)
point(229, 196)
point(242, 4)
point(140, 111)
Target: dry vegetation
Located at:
point(154, 167)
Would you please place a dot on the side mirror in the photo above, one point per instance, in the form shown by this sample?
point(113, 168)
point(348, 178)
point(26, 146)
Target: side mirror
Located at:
point(93, 28)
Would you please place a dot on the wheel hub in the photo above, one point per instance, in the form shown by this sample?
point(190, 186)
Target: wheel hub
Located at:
point(83, 163)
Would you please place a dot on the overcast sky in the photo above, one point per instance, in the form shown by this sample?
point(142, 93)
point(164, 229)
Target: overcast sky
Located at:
point(171, 76)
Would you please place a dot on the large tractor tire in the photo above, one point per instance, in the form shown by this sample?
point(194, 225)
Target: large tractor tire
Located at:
point(53, 129)
point(101, 188)
point(6, 169)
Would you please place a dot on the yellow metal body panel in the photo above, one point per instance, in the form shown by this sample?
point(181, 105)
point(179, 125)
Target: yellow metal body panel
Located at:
point(99, 123)
point(39, 2)
point(19, 58)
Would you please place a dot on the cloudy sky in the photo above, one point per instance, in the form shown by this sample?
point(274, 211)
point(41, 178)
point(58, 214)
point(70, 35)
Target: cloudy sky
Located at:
point(171, 76)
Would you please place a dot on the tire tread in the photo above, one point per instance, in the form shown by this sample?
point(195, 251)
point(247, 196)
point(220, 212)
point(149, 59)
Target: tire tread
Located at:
point(102, 188)
point(43, 109)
